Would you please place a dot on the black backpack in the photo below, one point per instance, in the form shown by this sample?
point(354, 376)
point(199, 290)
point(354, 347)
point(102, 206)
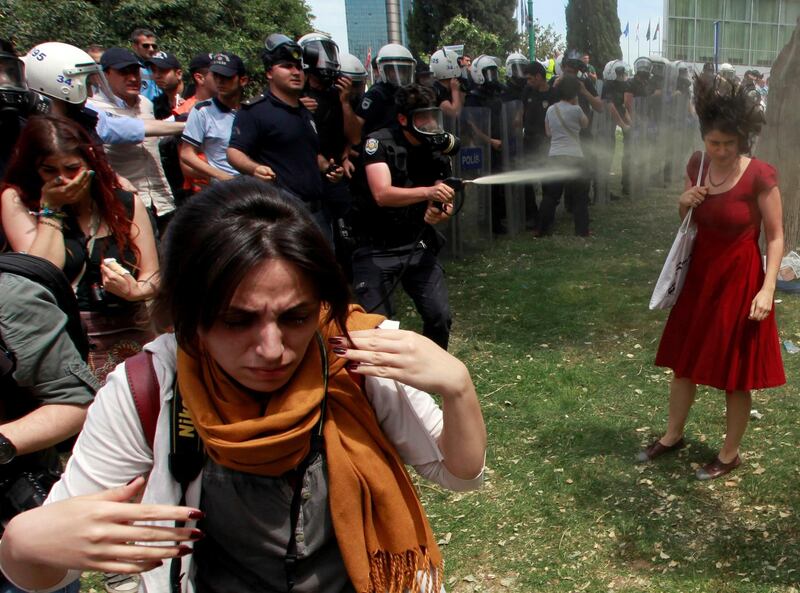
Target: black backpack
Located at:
point(43, 272)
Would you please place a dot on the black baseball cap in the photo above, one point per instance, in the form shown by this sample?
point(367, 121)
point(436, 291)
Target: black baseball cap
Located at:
point(227, 64)
point(165, 60)
point(118, 58)
point(200, 61)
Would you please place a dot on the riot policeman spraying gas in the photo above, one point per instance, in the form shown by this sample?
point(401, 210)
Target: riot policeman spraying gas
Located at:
point(400, 187)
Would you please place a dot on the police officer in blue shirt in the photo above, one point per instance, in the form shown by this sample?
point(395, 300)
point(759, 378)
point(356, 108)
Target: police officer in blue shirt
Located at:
point(274, 136)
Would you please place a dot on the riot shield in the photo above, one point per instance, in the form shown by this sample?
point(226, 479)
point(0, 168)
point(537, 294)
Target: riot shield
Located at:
point(639, 139)
point(473, 224)
point(604, 132)
point(513, 160)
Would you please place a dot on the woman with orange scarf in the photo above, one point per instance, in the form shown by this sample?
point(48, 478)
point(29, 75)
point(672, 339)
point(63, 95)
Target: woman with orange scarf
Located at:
point(266, 354)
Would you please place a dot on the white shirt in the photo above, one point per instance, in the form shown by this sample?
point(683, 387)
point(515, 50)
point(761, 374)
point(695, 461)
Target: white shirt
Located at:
point(112, 449)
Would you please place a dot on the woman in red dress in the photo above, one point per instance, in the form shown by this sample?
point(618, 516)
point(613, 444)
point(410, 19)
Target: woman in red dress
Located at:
point(722, 331)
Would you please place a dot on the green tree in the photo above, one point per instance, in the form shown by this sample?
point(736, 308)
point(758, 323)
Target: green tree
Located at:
point(429, 18)
point(461, 30)
point(548, 42)
point(183, 27)
point(593, 27)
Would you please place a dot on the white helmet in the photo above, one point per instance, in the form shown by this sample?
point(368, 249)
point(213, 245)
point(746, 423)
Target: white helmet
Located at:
point(352, 67)
point(59, 70)
point(444, 64)
point(485, 69)
point(727, 71)
point(615, 69)
point(514, 65)
point(396, 65)
point(320, 53)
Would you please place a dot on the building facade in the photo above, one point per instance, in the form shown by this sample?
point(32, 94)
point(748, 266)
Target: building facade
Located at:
point(752, 32)
point(368, 25)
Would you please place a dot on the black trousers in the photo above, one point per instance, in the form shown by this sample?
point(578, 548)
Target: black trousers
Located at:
point(576, 193)
point(375, 270)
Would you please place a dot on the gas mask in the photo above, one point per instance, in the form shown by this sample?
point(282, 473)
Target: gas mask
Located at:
point(426, 125)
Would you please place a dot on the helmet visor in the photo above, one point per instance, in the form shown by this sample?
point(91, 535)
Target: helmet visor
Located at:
point(397, 73)
point(427, 121)
point(12, 74)
point(490, 74)
point(517, 70)
point(324, 54)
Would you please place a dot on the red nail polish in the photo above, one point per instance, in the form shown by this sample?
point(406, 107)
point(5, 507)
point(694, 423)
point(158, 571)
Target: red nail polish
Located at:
point(352, 366)
point(197, 515)
point(184, 551)
point(339, 350)
point(336, 340)
point(196, 534)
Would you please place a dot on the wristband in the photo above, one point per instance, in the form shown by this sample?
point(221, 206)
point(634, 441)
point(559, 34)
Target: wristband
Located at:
point(46, 211)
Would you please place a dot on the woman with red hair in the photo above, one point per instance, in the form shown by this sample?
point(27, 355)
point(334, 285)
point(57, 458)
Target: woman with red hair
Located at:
point(61, 201)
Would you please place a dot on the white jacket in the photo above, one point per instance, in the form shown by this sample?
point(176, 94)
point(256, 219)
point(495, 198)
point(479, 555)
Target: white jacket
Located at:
point(111, 449)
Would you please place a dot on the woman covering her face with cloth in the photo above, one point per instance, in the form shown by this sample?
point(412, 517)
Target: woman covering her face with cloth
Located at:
point(267, 352)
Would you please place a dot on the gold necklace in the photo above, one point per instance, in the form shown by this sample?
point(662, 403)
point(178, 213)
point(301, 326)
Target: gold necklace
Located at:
point(734, 168)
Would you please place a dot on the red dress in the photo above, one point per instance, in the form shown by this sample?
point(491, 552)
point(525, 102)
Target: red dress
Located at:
point(708, 337)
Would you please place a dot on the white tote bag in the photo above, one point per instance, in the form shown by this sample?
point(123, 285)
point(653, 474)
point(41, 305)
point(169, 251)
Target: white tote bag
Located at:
point(673, 274)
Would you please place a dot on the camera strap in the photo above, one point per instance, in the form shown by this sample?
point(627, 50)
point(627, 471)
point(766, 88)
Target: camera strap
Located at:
point(317, 448)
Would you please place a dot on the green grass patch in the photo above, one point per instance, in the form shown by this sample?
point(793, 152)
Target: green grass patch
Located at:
point(560, 342)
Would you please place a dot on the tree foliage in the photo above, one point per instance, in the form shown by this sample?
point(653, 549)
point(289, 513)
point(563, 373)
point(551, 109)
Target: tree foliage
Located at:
point(461, 30)
point(184, 27)
point(547, 41)
point(593, 26)
point(490, 19)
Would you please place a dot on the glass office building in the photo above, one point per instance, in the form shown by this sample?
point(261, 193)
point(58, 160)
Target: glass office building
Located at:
point(367, 25)
point(752, 32)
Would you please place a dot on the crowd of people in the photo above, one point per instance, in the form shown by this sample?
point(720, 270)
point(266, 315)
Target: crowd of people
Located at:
point(239, 254)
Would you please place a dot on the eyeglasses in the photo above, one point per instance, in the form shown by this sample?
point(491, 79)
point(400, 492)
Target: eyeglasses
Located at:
point(150, 45)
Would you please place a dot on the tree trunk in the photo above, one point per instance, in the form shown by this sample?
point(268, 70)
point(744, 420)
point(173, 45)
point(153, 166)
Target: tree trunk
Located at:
point(778, 142)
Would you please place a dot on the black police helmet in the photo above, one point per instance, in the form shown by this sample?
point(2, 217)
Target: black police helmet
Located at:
point(278, 47)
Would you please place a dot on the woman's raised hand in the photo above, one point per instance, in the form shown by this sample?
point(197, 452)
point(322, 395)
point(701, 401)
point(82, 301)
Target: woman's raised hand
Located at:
point(59, 192)
point(406, 357)
point(98, 532)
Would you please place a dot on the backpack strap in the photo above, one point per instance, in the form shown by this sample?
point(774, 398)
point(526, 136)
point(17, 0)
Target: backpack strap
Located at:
point(143, 383)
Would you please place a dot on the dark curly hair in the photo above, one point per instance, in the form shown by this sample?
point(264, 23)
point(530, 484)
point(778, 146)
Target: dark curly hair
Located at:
point(728, 108)
point(414, 96)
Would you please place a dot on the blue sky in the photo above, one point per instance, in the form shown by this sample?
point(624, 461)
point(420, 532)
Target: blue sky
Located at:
point(330, 17)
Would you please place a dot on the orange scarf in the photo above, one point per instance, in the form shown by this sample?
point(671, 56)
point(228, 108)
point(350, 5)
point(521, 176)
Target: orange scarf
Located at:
point(381, 529)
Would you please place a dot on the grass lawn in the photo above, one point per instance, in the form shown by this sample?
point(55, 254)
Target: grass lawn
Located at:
point(560, 343)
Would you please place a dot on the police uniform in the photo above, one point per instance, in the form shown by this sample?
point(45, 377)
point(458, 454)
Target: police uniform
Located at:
point(284, 138)
point(208, 128)
point(389, 237)
point(377, 107)
point(443, 93)
point(337, 200)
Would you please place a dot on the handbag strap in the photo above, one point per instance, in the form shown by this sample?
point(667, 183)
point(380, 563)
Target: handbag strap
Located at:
point(688, 219)
point(569, 132)
point(143, 382)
